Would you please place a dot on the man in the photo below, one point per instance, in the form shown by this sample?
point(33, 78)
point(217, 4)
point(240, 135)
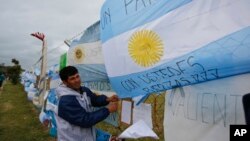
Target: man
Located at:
point(2, 78)
point(76, 117)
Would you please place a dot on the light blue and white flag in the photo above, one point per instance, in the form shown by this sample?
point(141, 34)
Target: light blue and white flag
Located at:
point(152, 46)
point(52, 70)
point(86, 55)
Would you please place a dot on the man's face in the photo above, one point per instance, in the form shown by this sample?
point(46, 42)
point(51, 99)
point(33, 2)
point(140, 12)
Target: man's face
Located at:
point(73, 81)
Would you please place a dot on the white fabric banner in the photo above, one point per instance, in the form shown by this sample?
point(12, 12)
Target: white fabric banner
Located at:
point(204, 112)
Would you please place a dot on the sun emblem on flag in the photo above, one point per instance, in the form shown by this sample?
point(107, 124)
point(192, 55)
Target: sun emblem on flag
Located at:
point(78, 54)
point(145, 48)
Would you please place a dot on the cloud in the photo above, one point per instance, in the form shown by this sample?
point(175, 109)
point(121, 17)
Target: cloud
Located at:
point(57, 19)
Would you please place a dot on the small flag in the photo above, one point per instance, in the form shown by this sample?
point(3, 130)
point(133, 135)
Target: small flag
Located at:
point(39, 35)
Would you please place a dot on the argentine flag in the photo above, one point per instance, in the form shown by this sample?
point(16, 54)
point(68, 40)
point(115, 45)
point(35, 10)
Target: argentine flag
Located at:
point(156, 45)
point(86, 55)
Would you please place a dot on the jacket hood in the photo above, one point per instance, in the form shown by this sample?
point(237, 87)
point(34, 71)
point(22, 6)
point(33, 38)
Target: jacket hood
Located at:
point(63, 90)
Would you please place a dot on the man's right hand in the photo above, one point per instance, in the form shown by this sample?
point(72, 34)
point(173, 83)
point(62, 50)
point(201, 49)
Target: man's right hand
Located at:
point(112, 107)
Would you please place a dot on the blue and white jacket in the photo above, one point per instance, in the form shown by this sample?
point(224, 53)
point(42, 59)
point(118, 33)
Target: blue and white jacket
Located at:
point(76, 117)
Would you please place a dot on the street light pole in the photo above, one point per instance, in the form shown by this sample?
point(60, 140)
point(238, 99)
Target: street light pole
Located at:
point(42, 81)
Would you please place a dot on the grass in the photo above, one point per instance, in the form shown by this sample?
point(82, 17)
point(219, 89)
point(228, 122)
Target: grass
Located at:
point(19, 118)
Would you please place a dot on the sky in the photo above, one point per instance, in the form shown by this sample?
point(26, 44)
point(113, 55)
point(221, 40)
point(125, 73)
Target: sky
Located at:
point(57, 19)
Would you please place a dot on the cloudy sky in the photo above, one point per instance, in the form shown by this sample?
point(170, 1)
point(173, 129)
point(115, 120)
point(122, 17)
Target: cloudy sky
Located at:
point(57, 19)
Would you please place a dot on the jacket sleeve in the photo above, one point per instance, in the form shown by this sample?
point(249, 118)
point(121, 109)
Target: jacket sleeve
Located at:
point(70, 110)
point(96, 100)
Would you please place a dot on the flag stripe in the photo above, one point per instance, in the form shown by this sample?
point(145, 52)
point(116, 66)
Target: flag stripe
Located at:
point(91, 54)
point(130, 14)
point(92, 72)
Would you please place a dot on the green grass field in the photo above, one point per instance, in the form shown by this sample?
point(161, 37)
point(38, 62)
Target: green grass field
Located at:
point(19, 118)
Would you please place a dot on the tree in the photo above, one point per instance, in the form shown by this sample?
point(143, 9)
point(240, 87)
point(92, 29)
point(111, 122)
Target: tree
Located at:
point(16, 62)
point(14, 71)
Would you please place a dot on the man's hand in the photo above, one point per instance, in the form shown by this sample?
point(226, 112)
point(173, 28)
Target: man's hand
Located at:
point(112, 107)
point(113, 98)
